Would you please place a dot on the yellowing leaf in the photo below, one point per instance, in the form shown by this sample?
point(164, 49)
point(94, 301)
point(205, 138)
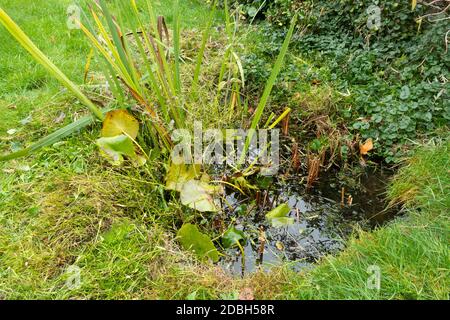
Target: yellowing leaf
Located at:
point(366, 147)
point(199, 195)
point(114, 148)
point(413, 4)
point(279, 245)
point(192, 239)
point(179, 174)
point(119, 122)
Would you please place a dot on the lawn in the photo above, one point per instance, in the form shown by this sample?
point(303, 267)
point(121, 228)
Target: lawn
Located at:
point(65, 212)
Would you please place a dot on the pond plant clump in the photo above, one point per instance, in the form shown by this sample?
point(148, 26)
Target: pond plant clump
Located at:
point(303, 105)
point(154, 101)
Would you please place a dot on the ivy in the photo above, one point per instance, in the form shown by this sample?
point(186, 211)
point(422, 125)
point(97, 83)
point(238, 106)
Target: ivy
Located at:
point(396, 74)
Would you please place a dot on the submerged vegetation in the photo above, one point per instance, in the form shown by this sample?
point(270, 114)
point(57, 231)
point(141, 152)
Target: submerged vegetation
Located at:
point(103, 205)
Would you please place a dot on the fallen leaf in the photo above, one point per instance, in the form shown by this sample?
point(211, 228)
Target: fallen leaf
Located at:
point(366, 147)
point(114, 148)
point(179, 174)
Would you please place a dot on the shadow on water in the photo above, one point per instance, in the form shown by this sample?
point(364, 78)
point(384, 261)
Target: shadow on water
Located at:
point(324, 219)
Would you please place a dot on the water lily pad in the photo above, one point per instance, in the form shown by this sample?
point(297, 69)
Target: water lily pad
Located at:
point(281, 211)
point(118, 122)
point(199, 195)
point(115, 148)
point(232, 236)
point(281, 222)
point(278, 217)
point(192, 239)
point(179, 174)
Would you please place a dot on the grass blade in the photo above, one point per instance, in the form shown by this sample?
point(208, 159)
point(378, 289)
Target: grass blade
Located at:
point(201, 52)
point(176, 45)
point(269, 86)
point(51, 138)
point(273, 76)
point(40, 57)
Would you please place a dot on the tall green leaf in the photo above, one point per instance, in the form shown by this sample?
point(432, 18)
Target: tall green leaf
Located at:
point(269, 85)
point(40, 57)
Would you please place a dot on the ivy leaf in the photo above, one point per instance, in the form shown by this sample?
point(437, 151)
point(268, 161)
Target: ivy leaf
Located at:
point(232, 236)
point(114, 148)
point(192, 239)
point(119, 122)
point(278, 217)
point(198, 195)
point(405, 92)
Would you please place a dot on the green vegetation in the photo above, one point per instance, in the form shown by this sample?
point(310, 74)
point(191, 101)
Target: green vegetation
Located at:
point(386, 70)
point(411, 253)
point(90, 206)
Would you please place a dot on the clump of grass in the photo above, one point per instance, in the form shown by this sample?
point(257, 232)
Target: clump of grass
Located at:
point(411, 253)
point(425, 177)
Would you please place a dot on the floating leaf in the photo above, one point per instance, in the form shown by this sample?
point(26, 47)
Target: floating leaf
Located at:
point(405, 92)
point(366, 147)
point(114, 148)
point(192, 239)
point(282, 222)
point(118, 122)
point(278, 217)
point(179, 174)
point(232, 236)
point(279, 212)
point(198, 195)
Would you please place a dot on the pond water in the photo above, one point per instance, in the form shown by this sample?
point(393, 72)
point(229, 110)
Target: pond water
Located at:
point(322, 224)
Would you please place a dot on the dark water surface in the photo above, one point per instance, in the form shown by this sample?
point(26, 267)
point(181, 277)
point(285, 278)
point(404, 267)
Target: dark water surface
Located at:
point(322, 223)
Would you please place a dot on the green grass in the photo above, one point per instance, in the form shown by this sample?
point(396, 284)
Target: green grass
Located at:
point(22, 77)
point(411, 253)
